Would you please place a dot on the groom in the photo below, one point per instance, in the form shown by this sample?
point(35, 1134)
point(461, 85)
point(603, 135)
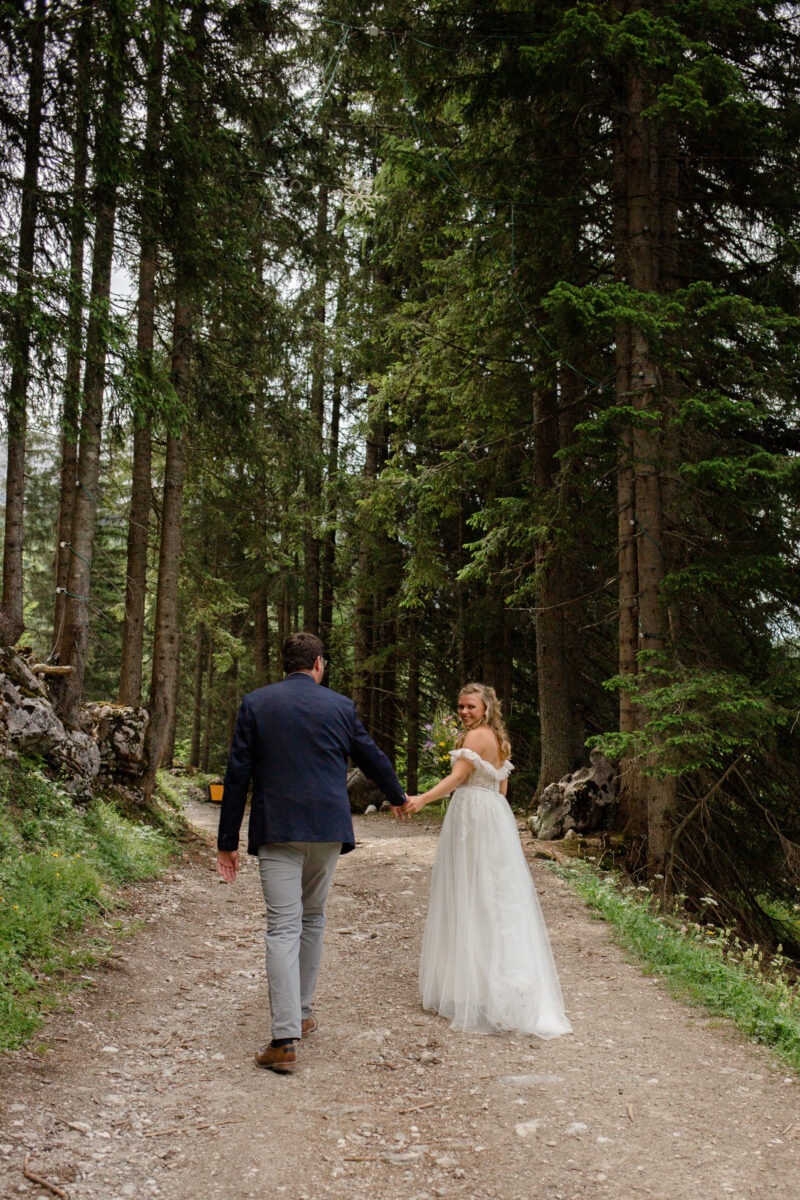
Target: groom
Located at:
point(293, 739)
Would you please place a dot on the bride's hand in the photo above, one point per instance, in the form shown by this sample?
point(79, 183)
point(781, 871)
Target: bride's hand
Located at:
point(413, 804)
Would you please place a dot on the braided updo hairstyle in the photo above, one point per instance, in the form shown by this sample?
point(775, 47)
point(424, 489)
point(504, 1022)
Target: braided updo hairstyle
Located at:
point(492, 716)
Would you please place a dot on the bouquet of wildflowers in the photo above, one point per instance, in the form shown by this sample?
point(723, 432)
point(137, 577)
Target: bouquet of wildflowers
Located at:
point(442, 734)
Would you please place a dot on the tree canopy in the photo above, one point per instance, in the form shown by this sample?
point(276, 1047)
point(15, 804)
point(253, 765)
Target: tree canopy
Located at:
point(466, 337)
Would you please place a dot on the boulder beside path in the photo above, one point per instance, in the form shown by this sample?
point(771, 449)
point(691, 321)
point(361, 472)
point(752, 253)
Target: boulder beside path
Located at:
point(109, 741)
point(580, 801)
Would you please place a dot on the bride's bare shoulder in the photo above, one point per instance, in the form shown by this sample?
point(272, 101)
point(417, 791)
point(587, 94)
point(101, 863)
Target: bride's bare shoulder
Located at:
point(483, 742)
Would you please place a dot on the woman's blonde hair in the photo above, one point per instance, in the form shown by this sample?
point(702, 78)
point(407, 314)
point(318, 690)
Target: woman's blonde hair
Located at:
point(492, 717)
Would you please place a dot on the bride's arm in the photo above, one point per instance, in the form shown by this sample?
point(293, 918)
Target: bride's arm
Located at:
point(461, 770)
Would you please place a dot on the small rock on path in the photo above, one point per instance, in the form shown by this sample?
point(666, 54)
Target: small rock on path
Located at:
point(148, 1088)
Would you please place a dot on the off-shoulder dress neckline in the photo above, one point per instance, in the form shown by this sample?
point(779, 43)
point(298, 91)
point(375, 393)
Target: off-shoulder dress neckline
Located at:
point(500, 773)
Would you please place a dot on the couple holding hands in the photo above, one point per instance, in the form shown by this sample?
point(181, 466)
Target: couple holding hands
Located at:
point(486, 960)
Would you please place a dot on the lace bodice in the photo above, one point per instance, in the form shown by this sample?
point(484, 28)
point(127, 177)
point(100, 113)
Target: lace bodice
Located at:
point(485, 774)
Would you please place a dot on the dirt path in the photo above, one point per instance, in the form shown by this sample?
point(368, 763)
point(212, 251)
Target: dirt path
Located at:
point(149, 1089)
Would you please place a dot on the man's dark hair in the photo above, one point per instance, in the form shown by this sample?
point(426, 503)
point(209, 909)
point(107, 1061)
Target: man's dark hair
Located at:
point(300, 651)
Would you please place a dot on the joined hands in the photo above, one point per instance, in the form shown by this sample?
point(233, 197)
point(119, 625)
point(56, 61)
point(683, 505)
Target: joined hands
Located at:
point(413, 804)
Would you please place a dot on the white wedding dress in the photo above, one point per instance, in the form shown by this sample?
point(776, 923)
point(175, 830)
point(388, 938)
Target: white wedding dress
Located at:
point(486, 960)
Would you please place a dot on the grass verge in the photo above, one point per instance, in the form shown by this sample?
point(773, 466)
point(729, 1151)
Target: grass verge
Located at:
point(61, 867)
point(711, 969)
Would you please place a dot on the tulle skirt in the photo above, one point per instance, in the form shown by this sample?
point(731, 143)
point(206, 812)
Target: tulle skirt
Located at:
point(486, 961)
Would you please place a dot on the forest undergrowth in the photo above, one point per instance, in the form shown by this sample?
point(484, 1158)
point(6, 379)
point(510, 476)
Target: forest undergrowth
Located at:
point(63, 868)
point(701, 961)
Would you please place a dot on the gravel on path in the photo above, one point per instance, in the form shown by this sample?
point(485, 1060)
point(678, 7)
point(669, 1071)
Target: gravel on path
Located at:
point(146, 1085)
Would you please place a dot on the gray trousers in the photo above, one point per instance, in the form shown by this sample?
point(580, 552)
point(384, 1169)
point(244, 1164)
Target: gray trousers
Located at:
point(296, 878)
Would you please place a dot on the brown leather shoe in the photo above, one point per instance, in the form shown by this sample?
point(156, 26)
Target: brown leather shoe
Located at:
point(309, 1025)
point(277, 1058)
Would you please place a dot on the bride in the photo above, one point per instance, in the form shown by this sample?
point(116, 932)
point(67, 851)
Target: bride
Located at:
point(486, 960)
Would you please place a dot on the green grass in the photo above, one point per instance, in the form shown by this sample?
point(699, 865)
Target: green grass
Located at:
point(706, 966)
point(60, 870)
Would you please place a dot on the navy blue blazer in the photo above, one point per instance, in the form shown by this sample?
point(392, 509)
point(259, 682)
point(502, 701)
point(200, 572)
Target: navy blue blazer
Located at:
point(293, 739)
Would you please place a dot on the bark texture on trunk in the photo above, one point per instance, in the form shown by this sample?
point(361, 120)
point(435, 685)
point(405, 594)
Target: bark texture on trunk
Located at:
point(313, 474)
point(166, 639)
point(72, 377)
point(12, 621)
point(197, 697)
point(631, 813)
point(387, 712)
point(260, 607)
point(412, 719)
point(259, 598)
point(363, 645)
point(130, 677)
point(328, 568)
point(651, 795)
point(168, 753)
point(209, 708)
point(552, 660)
point(75, 638)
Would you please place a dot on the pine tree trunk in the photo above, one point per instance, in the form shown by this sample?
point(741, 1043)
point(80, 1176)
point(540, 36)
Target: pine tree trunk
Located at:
point(130, 673)
point(553, 668)
point(283, 620)
point(209, 712)
point(259, 598)
point(12, 621)
point(668, 281)
point(412, 716)
point(130, 676)
point(234, 700)
point(328, 584)
point(72, 376)
point(365, 598)
point(465, 672)
point(167, 633)
point(642, 257)
point(313, 474)
point(197, 697)
point(373, 717)
point(166, 640)
point(631, 813)
point(573, 580)
point(260, 607)
point(106, 168)
point(386, 692)
point(168, 754)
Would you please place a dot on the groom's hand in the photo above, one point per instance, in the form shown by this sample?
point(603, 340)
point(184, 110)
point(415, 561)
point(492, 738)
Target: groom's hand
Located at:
point(399, 811)
point(228, 864)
